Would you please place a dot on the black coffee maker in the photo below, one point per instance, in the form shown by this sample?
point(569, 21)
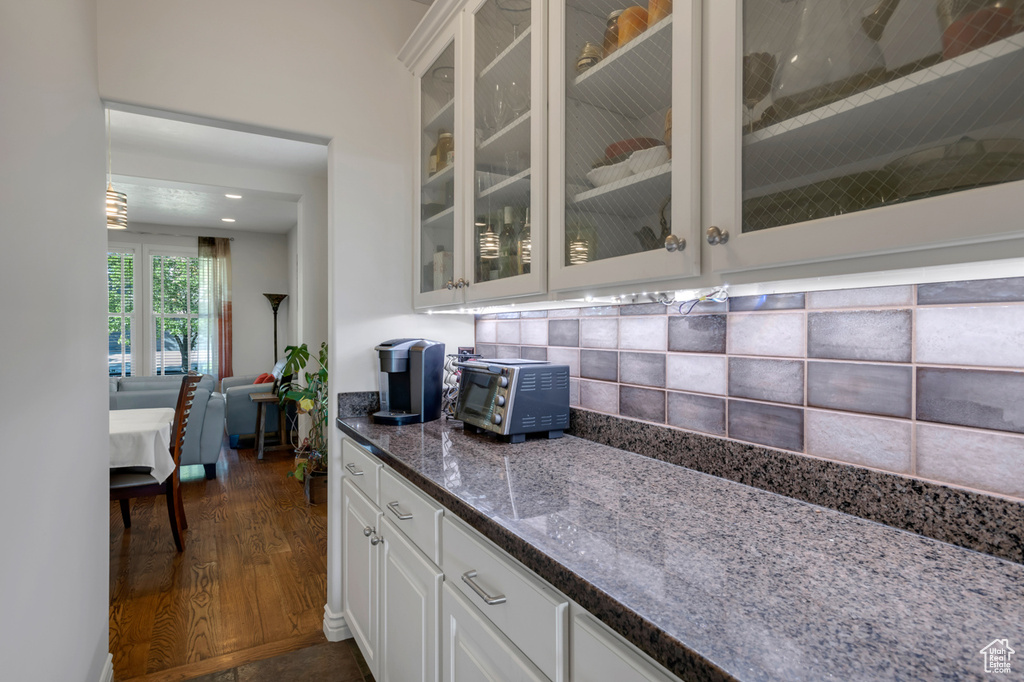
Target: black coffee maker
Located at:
point(411, 375)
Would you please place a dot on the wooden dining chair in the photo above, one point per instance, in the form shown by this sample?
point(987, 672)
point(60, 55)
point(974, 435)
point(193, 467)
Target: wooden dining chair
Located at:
point(128, 484)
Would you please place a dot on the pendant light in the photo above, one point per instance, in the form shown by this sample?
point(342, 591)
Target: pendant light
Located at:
point(117, 202)
point(490, 245)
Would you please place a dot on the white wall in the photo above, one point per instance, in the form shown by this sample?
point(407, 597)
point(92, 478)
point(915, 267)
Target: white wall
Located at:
point(53, 410)
point(259, 264)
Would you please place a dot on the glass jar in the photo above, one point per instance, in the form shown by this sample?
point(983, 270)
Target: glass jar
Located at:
point(445, 150)
point(611, 33)
point(632, 22)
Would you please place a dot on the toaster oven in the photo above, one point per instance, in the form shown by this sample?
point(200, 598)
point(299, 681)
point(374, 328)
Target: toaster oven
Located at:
point(513, 398)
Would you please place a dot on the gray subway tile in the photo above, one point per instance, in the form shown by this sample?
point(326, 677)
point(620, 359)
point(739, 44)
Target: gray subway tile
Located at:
point(987, 336)
point(780, 381)
point(533, 332)
point(601, 332)
point(508, 331)
point(487, 316)
point(976, 459)
point(534, 353)
point(866, 441)
point(574, 392)
point(486, 331)
point(565, 356)
point(772, 425)
point(643, 333)
point(530, 314)
point(767, 334)
point(507, 352)
point(1006, 289)
point(697, 412)
point(563, 332)
point(882, 335)
point(767, 302)
point(857, 387)
point(642, 403)
point(968, 397)
point(508, 316)
point(696, 373)
point(599, 395)
point(868, 297)
point(643, 309)
point(647, 369)
point(697, 334)
point(487, 350)
point(564, 312)
point(599, 364)
point(600, 311)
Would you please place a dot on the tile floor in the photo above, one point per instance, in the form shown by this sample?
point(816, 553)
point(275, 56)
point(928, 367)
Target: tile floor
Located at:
point(336, 661)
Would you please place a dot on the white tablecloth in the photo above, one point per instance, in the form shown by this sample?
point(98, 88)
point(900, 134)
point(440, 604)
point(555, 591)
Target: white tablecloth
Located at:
point(141, 438)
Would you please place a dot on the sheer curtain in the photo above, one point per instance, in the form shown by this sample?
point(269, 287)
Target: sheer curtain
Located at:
point(215, 306)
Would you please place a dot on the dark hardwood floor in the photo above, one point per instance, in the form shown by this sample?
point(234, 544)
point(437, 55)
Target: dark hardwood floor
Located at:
point(250, 584)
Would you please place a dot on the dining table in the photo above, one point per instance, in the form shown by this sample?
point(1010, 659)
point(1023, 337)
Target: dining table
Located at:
point(141, 438)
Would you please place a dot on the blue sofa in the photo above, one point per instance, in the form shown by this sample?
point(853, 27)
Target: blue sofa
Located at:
point(205, 433)
point(240, 417)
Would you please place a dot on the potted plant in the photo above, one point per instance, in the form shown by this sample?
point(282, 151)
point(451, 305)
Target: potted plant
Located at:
point(311, 399)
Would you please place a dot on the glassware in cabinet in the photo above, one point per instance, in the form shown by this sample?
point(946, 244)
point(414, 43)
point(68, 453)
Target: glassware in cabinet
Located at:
point(438, 130)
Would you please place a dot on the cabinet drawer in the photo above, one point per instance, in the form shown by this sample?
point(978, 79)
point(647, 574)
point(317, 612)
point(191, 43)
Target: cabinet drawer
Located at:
point(417, 516)
point(529, 612)
point(361, 468)
point(599, 654)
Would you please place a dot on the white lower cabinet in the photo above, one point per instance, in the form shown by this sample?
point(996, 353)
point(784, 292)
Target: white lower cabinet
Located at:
point(360, 579)
point(476, 651)
point(599, 655)
point(410, 615)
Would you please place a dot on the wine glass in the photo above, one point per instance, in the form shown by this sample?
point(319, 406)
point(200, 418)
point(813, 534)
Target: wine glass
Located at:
point(445, 77)
point(758, 72)
point(516, 12)
point(499, 107)
point(518, 98)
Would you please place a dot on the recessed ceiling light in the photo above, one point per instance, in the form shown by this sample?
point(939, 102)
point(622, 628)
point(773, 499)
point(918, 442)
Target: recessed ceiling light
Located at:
point(233, 196)
point(228, 220)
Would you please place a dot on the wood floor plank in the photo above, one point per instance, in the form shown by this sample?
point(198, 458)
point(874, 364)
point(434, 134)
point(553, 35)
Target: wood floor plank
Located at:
point(251, 580)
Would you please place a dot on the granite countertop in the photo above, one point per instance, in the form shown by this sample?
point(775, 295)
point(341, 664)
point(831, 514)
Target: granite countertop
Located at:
point(715, 579)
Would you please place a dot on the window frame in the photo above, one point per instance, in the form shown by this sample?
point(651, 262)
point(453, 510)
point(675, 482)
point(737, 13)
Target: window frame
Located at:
point(124, 248)
point(150, 315)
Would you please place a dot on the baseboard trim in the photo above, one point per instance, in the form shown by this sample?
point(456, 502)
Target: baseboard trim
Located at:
point(335, 627)
point(107, 673)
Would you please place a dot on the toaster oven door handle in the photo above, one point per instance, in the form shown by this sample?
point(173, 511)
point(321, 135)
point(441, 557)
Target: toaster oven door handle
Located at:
point(483, 369)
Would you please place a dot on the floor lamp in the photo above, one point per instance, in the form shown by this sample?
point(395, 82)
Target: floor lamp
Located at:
point(275, 302)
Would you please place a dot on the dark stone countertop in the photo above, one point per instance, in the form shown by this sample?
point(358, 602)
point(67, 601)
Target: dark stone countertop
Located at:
point(715, 579)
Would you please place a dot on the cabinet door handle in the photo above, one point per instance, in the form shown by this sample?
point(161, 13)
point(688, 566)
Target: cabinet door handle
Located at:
point(352, 468)
point(376, 540)
point(717, 236)
point(467, 578)
point(674, 243)
point(402, 516)
point(367, 532)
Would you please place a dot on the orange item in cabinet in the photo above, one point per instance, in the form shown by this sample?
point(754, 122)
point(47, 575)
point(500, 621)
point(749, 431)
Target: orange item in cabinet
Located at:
point(658, 10)
point(632, 22)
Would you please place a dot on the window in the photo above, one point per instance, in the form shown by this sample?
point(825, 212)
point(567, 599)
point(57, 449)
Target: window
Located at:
point(120, 311)
point(177, 334)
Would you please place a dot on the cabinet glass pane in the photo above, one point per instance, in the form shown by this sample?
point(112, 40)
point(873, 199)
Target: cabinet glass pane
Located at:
point(502, 245)
point(618, 107)
point(854, 104)
point(437, 173)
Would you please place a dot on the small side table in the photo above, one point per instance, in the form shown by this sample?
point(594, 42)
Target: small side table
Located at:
point(261, 400)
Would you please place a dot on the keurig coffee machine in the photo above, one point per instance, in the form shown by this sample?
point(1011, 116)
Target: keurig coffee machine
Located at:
point(411, 372)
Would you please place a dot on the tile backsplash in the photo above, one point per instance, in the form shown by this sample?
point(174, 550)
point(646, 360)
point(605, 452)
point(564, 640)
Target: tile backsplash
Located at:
point(925, 381)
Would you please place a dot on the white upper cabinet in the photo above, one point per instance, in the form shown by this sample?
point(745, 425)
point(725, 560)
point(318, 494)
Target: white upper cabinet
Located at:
point(625, 176)
point(835, 135)
point(506, 133)
point(438, 243)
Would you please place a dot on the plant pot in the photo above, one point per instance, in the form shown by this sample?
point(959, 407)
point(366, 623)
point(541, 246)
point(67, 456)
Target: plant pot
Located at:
point(316, 487)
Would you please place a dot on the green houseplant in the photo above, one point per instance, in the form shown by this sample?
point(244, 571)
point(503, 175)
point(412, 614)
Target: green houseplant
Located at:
point(311, 399)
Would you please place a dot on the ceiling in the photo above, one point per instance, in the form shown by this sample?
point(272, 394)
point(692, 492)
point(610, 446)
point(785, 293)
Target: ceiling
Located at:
point(179, 201)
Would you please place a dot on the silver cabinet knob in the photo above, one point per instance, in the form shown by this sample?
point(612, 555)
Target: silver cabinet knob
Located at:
point(717, 236)
point(674, 243)
point(367, 532)
point(376, 540)
point(450, 285)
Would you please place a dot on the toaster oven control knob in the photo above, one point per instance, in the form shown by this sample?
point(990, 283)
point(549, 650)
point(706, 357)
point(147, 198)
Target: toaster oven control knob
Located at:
point(497, 419)
point(501, 401)
point(503, 382)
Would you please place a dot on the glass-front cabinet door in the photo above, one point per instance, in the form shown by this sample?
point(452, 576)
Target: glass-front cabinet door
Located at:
point(505, 239)
point(624, 142)
point(863, 126)
point(438, 247)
